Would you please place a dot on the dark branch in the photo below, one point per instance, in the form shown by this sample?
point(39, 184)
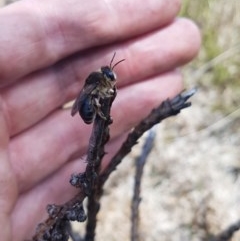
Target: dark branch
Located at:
point(166, 109)
point(100, 130)
point(55, 228)
point(227, 234)
point(140, 162)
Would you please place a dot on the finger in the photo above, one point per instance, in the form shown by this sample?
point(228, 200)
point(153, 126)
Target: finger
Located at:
point(8, 186)
point(55, 189)
point(145, 56)
point(42, 149)
point(53, 30)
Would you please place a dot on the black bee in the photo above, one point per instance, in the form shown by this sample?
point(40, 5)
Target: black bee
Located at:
point(99, 84)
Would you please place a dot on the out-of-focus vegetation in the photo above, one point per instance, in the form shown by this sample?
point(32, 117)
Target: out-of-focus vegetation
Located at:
point(218, 63)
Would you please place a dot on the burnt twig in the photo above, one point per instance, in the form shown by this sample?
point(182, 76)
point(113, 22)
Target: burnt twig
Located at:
point(140, 163)
point(55, 228)
point(227, 234)
point(100, 129)
point(169, 107)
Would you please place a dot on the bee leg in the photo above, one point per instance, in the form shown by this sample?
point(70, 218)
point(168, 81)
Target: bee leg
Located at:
point(99, 112)
point(111, 92)
point(98, 109)
point(96, 102)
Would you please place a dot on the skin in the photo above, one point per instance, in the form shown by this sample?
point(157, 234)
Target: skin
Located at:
point(47, 50)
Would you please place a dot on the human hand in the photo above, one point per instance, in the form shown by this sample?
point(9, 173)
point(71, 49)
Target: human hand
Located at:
point(47, 50)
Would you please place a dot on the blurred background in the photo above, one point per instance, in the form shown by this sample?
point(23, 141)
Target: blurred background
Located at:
point(191, 183)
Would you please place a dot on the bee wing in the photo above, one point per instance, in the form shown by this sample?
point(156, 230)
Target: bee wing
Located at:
point(91, 84)
point(77, 103)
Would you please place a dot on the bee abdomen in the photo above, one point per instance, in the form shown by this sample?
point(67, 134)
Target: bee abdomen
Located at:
point(87, 111)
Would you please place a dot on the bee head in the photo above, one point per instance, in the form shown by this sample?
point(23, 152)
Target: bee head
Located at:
point(108, 73)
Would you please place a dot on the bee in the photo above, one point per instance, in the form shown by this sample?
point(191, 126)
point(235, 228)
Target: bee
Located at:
point(99, 84)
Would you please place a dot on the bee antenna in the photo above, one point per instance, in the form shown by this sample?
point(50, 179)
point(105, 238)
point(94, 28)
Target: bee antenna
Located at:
point(112, 60)
point(112, 67)
point(117, 63)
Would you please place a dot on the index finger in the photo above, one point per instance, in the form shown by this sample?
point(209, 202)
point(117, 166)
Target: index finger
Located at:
point(36, 34)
